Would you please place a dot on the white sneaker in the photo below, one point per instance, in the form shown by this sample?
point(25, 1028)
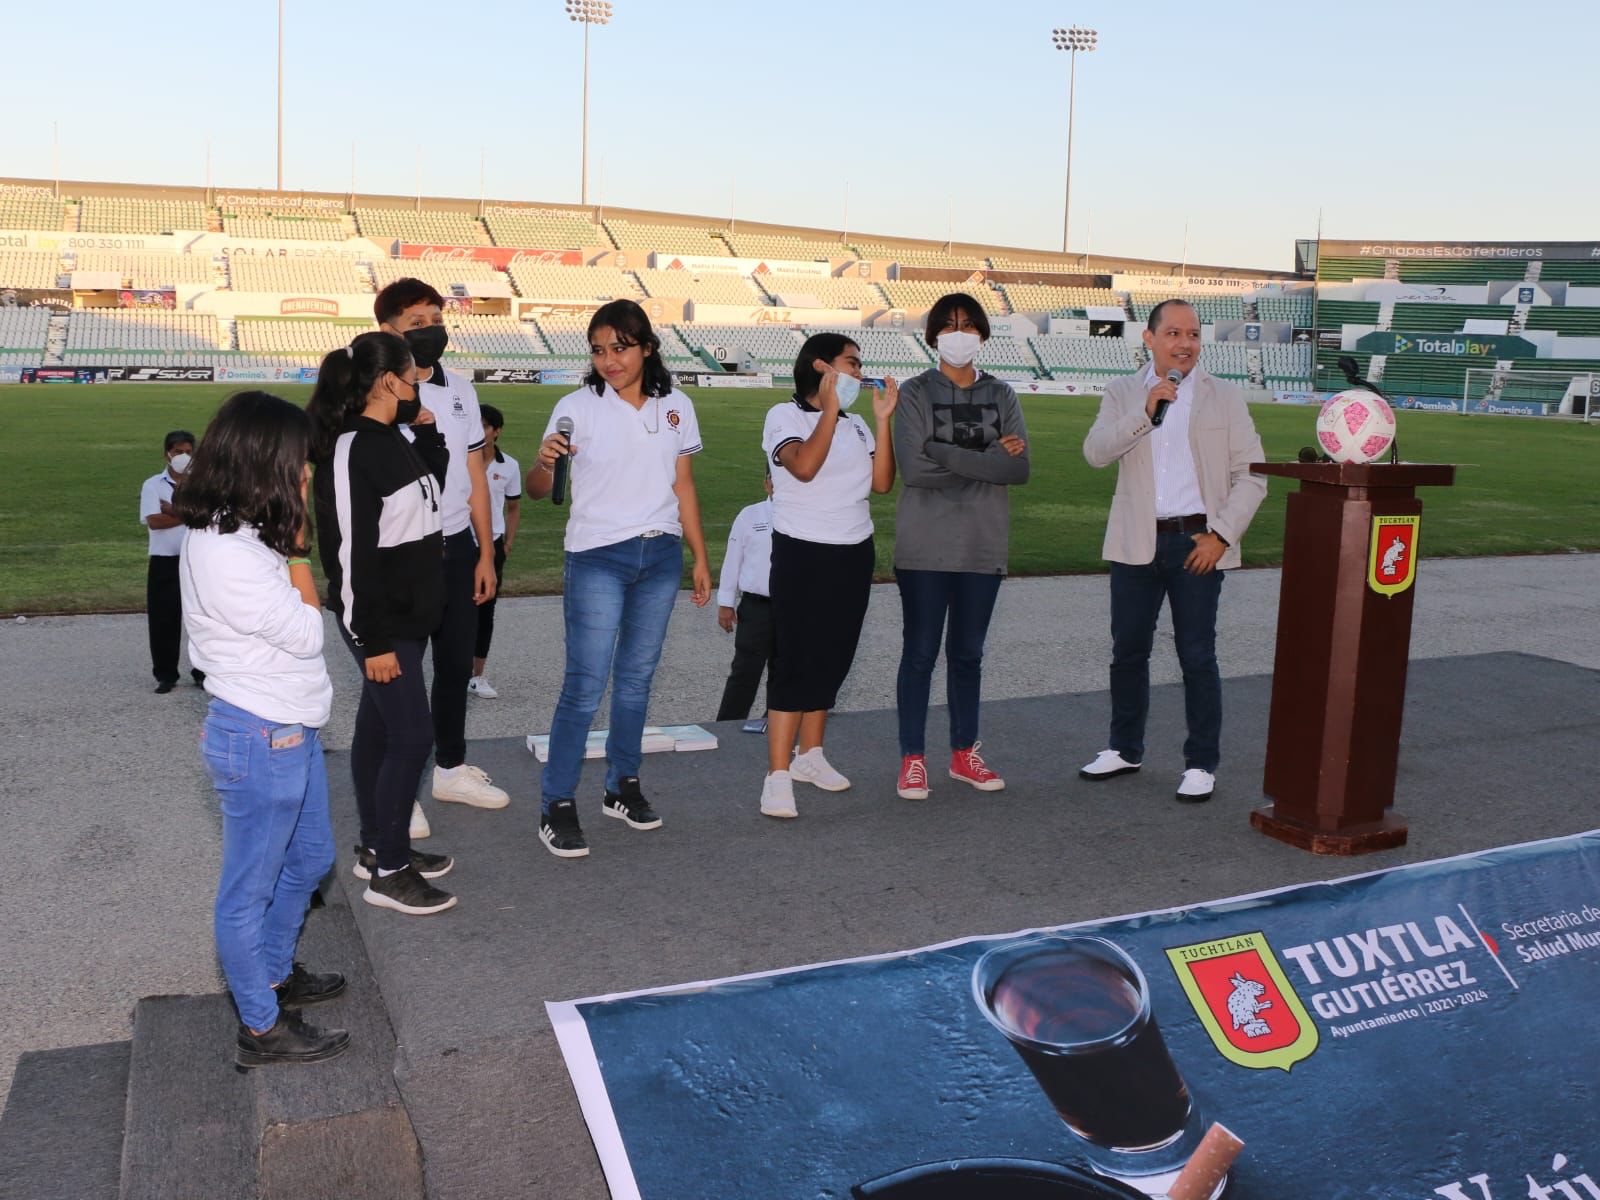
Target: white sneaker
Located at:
point(419, 822)
point(1108, 764)
point(811, 767)
point(467, 785)
point(479, 686)
point(1196, 786)
point(777, 796)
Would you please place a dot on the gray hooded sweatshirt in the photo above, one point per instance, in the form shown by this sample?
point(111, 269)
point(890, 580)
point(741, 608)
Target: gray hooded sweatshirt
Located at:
point(954, 513)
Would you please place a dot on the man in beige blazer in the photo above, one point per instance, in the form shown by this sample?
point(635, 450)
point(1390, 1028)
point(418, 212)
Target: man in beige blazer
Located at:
point(1184, 498)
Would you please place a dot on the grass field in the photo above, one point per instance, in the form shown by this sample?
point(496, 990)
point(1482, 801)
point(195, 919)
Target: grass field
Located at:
point(72, 459)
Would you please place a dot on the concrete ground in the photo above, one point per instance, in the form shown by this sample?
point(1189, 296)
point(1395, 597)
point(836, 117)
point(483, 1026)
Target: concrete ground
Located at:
point(114, 827)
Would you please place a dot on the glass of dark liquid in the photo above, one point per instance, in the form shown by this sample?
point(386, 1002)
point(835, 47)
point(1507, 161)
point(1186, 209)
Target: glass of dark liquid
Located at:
point(1077, 1009)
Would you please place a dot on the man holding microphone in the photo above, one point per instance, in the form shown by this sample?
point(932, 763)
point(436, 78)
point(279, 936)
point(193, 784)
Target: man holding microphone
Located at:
point(1183, 442)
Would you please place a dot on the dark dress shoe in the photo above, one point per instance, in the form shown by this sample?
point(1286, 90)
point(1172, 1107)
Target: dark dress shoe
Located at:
point(308, 987)
point(291, 1040)
point(165, 686)
point(198, 676)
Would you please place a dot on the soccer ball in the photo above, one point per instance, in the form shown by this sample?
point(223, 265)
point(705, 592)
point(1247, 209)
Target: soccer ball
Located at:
point(1355, 426)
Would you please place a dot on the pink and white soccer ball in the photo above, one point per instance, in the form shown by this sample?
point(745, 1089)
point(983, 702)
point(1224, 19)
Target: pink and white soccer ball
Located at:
point(1355, 426)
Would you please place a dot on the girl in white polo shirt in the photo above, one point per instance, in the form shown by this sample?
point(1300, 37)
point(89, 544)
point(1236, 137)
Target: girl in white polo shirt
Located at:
point(826, 462)
point(634, 508)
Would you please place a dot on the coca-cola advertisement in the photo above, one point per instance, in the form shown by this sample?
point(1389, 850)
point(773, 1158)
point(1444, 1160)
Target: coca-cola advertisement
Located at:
point(500, 257)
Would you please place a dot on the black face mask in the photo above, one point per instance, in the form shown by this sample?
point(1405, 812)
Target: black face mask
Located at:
point(427, 344)
point(407, 411)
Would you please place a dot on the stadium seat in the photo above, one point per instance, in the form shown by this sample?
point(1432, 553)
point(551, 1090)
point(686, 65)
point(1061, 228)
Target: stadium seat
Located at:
point(701, 240)
point(29, 268)
point(153, 333)
point(793, 247)
point(148, 269)
point(125, 214)
point(281, 228)
point(1083, 359)
point(435, 228)
point(919, 295)
point(442, 276)
point(24, 333)
point(544, 229)
point(828, 291)
point(708, 287)
point(274, 273)
point(25, 210)
point(539, 281)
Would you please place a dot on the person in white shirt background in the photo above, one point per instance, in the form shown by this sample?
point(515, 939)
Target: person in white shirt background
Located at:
point(414, 310)
point(633, 509)
point(254, 621)
point(746, 582)
point(826, 462)
point(163, 606)
point(504, 477)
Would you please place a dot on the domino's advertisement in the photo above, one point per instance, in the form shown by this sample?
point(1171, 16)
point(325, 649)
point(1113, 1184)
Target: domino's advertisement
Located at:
point(1423, 1032)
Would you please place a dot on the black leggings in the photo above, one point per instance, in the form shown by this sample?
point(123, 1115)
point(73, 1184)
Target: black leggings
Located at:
point(393, 737)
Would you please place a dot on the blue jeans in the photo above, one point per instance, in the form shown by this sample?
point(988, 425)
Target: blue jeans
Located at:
point(925, 598)
point(1136, 595)
point(616, 601)
point(277, 844)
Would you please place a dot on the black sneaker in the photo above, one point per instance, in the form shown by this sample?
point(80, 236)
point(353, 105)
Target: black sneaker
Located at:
point(560, 832)
point(291, 1040)
point(627, 804)
point(429, 866)
point(408, 892)
point(308, 987)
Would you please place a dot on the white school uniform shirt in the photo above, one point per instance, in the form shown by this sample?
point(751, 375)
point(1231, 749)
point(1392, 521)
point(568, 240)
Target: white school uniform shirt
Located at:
point(747, 566)
point(453, 402)
point(505, 483)
point(164, 543)
point(627, 462)
point(257, 640)
point(1177, 483)
point(832, 506)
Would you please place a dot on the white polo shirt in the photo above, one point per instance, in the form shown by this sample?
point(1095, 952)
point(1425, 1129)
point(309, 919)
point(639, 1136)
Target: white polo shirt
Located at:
point(747, 566)
point(625, 466)
point(505, 483)
point(832, 506)
point(164, 543)
point(1177, 483)
point(453, 402)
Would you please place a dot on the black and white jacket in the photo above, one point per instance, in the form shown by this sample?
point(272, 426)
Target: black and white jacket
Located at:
point(379, 532)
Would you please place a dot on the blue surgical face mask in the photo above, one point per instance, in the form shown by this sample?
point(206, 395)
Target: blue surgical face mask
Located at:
point(848, 388)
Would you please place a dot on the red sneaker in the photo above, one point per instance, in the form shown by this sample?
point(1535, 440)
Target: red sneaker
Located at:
point(968, 766)
point(913, 778)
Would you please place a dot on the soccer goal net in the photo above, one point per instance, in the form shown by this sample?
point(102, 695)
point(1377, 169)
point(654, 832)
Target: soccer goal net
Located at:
point(1537, 393)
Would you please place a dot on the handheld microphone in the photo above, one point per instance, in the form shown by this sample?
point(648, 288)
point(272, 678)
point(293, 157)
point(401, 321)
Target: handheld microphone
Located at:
point(1175, 378)
point(558, 492)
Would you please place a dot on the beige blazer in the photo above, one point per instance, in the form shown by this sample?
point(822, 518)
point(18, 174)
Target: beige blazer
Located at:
point(1223, 440)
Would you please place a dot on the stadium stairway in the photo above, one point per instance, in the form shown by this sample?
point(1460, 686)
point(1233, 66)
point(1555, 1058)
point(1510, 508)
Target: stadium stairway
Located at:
point(167, 1116)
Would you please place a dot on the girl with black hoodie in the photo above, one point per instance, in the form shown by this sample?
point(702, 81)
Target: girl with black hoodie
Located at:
point(382, 546)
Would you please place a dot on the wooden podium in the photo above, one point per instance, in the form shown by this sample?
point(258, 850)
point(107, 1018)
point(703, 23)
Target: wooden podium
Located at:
point(1344, 635)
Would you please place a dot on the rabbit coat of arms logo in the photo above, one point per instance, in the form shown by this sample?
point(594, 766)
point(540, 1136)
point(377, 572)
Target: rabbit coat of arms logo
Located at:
point(1245, 1001)
point(1392, 565)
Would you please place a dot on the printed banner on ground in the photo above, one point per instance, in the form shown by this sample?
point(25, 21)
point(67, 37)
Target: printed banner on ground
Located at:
point(1427, 1031)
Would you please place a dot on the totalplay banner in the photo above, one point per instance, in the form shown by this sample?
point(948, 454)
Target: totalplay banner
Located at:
point(1424, 1032)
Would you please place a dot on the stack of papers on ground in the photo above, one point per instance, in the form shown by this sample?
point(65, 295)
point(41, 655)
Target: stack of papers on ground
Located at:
point(656, 740)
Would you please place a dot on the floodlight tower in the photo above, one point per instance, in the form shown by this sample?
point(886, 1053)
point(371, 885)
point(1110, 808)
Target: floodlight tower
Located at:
point(1071, 39)
point(587, 13)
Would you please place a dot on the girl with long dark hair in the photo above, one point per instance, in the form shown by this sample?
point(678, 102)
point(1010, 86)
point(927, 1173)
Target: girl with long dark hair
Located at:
point(826, 463)
point(382, 546)
point(634, 508)
point(254, 622)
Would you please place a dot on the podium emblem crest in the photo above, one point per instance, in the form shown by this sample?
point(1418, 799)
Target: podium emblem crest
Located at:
point(1245, 1001)
point(1392, 561)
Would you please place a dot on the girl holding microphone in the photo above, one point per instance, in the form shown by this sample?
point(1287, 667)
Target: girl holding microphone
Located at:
point(826, 462)
point(634, 508)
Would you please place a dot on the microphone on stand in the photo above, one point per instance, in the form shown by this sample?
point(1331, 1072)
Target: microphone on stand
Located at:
point(1175, 378)
point(558, 491)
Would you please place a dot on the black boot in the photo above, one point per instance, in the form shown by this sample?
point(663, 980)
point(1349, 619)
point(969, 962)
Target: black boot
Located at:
point(305, 987)
point(291, 1040)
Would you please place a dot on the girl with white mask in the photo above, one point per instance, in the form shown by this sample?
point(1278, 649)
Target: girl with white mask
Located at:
point(961, 442)
point(826, 462)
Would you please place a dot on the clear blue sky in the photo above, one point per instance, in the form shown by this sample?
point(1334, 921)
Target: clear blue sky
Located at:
point(1398, 120)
